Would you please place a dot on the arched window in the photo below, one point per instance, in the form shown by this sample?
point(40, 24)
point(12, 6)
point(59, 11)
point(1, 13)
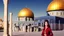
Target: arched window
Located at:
point(57, 13)
point(52, 13)
point(61, 13)
point(39, 24)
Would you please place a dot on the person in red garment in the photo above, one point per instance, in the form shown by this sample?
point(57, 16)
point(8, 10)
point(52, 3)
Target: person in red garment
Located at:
point(46, 30)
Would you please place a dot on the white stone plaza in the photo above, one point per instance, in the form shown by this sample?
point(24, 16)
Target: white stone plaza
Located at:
point(56, 33)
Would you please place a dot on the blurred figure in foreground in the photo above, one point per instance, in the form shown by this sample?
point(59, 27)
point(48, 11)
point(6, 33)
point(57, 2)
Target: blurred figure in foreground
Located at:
point(46, 30)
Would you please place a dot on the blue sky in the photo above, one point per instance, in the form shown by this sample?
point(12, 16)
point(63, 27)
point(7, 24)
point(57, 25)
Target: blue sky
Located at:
point(37, 6)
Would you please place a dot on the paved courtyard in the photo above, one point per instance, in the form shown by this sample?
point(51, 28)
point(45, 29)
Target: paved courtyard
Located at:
point(56, 33)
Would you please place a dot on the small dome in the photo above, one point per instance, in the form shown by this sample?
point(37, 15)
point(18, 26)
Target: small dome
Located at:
point(25, 12)
point(56, 5)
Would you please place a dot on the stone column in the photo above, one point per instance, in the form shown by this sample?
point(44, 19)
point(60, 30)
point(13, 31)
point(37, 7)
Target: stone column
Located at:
point(28, 29)
point(54, 26)
point(11, 25)
point(13, 28)
point(24, 28)
point(59, 24)
point(31, 29)
point(34, 29)
point(37, 29)
point(5, 18)
point(51, 26)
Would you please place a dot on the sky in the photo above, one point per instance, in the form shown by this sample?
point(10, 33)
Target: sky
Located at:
point(38, 7)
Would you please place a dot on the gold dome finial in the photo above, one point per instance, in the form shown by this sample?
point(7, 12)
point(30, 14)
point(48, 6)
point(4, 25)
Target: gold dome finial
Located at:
point(25, 12)
point(56, 5)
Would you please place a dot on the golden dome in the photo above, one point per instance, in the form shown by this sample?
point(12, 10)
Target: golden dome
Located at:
point(56, 5)
point(25, 12)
